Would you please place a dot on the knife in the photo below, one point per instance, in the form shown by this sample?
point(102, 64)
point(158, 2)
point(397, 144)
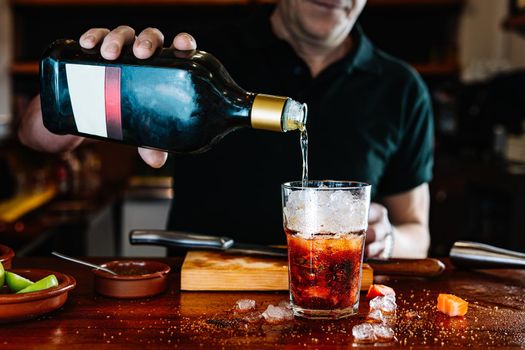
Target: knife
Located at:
point(193, 241)
point(476, 255)
point(401, 267)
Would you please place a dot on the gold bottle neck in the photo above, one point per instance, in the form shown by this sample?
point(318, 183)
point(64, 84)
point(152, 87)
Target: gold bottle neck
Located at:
point(276, 113)
point(267, 112)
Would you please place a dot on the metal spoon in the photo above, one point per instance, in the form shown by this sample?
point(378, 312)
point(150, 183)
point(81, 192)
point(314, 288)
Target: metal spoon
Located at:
point(84, 263)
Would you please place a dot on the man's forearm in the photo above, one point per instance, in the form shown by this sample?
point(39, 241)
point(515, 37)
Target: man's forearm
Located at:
point(34, 134)
point(411, 241)
point(408, 212)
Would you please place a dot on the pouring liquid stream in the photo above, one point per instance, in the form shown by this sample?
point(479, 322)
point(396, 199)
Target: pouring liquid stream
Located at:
point(304, 153)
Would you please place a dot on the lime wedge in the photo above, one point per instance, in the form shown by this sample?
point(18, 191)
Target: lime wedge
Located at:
point(2, 275)
point(44, 283)
point(16, 282)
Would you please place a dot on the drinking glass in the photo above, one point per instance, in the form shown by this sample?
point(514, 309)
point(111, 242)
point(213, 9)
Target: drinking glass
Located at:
point(325, 224)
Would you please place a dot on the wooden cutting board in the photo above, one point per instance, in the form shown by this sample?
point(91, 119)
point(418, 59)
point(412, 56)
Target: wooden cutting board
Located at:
point(207, 271)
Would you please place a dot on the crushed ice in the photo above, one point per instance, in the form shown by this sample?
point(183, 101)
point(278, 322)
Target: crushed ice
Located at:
point(308, 212)
point(363, 333)
point(275, 314)
point(375, 316)
point(376, 328)
point(383, 333)
point(372, 332)
point(387, 304)
point(244, 305)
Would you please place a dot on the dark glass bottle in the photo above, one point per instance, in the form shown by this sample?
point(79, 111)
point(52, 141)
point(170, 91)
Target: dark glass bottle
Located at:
point(179, 101)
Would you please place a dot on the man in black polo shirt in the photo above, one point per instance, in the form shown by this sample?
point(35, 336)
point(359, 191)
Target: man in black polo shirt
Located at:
point(369, 120)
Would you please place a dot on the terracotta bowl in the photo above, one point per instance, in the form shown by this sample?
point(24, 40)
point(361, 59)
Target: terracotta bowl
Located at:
point(6, 256)
point(17, 307)
point(135, 279)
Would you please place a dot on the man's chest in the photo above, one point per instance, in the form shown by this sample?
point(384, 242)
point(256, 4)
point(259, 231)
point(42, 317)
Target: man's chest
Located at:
point(353, 124)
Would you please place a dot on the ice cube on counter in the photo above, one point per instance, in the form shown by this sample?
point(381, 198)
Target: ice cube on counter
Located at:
point(387, 304)
point(375, 316)
point(276, 314)
point(363, 333)
point(372, 333)
point(244, 305)
point(383, 333)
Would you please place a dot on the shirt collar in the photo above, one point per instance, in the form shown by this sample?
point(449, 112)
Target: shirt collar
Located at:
point(361, 57)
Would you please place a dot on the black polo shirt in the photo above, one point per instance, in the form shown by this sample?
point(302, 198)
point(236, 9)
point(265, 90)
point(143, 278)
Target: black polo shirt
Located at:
point(370, 120)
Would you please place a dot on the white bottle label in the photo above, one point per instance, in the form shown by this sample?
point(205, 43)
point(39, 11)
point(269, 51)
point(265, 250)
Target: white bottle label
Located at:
point(95, 99)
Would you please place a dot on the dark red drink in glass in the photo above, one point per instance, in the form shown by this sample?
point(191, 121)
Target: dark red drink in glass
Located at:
point(325, 265)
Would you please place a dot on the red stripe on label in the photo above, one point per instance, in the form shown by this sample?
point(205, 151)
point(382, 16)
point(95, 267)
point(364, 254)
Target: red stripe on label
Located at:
point(112, 98)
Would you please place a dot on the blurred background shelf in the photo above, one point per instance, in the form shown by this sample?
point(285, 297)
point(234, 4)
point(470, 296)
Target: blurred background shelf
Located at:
point(437, 68)
point(24, 68)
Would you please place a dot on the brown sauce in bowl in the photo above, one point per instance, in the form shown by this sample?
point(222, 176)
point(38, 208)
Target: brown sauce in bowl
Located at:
point(130, 270)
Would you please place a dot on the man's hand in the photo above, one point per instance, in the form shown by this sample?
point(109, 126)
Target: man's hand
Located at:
point(379, 233)
point(32, 131)
point(144, 46)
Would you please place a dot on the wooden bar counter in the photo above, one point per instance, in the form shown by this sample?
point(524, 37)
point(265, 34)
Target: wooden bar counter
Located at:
point(175, 319)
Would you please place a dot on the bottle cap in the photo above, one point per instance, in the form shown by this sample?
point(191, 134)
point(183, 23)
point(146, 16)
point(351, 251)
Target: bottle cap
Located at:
point(267, 112)
point(276, 113)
